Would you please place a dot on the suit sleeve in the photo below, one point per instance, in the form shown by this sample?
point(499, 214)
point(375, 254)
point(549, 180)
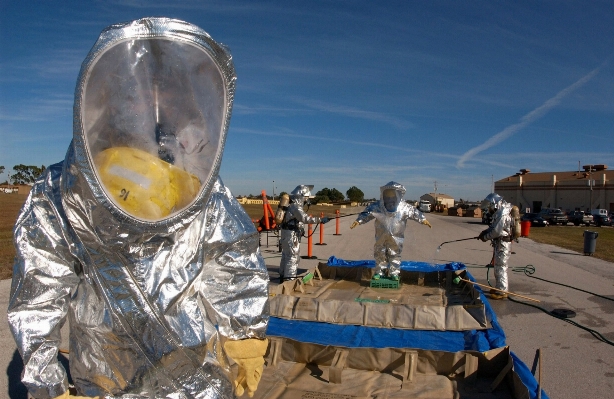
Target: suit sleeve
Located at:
point(43, 279)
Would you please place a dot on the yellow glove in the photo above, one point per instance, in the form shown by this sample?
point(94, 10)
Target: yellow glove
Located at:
point(354, 224)
point(249, 356)
point(426, 222)
point(66, 395)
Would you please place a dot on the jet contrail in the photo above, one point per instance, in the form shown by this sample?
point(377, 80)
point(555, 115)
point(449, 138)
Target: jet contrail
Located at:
point(528, 118)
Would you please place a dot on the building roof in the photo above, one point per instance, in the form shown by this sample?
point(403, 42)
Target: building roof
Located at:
point(440, 195)
point(576, 175)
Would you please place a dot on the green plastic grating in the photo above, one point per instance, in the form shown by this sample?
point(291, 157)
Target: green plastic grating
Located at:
point(384, 282)
point(372, 300)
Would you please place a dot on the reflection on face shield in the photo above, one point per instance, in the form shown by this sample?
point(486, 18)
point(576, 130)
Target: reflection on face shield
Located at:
point(161, 96)
point(165, 141)
point(143, 185)
point(390, 200)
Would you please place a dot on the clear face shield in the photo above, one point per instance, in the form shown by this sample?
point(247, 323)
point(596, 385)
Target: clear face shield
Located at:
point(153, 113)
point(391, 200)
point(489, 204)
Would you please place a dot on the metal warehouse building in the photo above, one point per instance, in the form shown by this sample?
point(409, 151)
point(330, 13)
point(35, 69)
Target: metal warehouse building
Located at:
point(590, 188)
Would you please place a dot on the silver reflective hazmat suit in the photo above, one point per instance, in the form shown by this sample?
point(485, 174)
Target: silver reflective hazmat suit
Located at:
point(292, 229)
point(500, 232)
point(391, 214)
point(134, 239)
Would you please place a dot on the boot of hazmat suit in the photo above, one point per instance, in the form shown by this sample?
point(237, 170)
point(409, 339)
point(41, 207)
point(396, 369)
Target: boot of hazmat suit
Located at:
point(134, 240)
point(500, 234)
point(391, 214)
point(292, 229)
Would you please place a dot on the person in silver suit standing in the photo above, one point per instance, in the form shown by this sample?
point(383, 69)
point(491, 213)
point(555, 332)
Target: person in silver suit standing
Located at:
point(293, 229)
point(134, 240)
point(500, 234)
point(391, 214)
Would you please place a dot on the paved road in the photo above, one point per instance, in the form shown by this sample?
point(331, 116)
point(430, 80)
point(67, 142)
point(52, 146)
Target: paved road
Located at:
point(575, 363)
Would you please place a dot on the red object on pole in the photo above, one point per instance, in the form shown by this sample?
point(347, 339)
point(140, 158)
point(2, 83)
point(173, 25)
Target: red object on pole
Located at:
point(525, 228)
point(267, 225)
point(321, 231)
point(337, 223)
point(268, 220)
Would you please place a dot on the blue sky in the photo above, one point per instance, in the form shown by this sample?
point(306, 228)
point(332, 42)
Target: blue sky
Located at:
point(351, 93)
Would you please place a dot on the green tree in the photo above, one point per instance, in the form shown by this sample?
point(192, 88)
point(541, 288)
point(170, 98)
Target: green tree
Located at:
point(26, 174)
point(355, 194)
point(330, 194)
point(319, 199)
point(1, 169)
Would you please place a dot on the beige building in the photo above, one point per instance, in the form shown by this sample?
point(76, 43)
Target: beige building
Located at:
point(439, 198)
point(589, 188)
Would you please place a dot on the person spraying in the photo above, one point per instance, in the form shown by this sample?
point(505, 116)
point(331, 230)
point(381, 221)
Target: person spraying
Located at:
point(391, 214)
point(134, 240)
point(503, 229)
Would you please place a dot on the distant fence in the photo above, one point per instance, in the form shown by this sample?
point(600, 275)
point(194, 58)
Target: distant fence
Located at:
point(244, 201)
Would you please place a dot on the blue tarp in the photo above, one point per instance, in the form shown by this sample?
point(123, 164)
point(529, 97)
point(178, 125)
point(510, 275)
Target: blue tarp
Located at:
point(407, 265)
point(352, 336)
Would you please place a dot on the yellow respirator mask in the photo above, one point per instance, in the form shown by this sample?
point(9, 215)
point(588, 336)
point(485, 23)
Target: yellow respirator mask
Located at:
point(144, 185)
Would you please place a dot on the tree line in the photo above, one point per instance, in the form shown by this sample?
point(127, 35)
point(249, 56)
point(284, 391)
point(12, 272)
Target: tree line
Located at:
point(27, 174)
point(23, 174)
point(327, 195)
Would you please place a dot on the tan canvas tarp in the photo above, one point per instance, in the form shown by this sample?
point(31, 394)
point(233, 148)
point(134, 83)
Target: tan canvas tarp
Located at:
point(309, 371)
point(343, 296)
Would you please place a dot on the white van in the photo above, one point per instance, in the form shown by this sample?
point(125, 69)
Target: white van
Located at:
point(425, 206)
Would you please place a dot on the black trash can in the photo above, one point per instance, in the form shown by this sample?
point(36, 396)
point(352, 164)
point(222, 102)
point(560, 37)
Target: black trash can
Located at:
point(590, 240)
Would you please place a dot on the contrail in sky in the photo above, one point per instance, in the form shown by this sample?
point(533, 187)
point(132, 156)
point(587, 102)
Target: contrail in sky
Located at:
point(528, 118)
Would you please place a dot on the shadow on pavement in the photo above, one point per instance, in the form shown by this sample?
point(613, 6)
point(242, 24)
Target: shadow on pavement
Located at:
point(16, 389)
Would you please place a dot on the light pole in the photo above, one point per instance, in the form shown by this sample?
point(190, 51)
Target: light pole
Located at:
point(590, 184)
point(273, 190)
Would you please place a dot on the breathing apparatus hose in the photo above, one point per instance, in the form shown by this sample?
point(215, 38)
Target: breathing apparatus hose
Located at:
point(312, 231)
point(529, 270)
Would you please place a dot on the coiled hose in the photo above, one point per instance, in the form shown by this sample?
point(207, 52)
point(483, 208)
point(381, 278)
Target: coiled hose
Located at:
point(529, 270)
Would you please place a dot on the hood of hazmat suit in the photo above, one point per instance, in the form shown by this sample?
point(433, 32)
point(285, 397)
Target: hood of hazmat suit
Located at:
point(502, 220)
point(491, 203)
point(391, 195)
point(133, 237)
point(300, 195)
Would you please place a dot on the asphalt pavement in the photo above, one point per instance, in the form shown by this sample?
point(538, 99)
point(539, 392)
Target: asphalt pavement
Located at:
point(576, 363)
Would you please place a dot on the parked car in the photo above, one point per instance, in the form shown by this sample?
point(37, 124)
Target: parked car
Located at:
point(553, 216)
point(579, 217)
point(602, 220)
point(535, 219)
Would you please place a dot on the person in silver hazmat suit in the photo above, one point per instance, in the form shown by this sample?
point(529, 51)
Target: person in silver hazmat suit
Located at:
point(292, 229)
point(391, 214)
point(500, 234)
point(134, 239)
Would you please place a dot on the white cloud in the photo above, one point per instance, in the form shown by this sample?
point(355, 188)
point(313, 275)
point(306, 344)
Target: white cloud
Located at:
point(527, 119)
